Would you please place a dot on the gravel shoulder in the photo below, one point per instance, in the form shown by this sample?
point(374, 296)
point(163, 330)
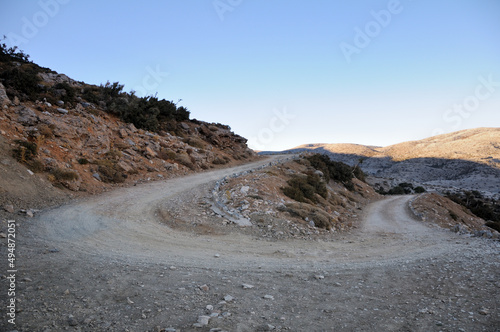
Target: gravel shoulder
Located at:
point(115, 262)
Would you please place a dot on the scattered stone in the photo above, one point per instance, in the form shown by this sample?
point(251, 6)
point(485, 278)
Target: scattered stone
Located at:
point(243, 222)
point(72, 321)
point(66, 292)
point(26, 279)
point(97, 176)
point(3, 235)
point(204, 288)
point(268, 297)
point(209, 307)
point(60, 103)
point(9, 208)
point(247, 286)
point(129, 301)
point(216, 255)
point(244, 190)
point(228, 298)
point(319, 277)
point(483, 311)
point(62, 111)
point(30, 213)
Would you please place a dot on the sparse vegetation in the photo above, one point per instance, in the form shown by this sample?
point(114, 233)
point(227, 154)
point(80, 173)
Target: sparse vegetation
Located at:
point(305, 189)
point(63, 175)
point(335, 170)
point(485, 208)
point(25, 151)
point(403, 188)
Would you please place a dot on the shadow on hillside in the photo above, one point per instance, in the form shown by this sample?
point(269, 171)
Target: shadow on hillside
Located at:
point(438, 173)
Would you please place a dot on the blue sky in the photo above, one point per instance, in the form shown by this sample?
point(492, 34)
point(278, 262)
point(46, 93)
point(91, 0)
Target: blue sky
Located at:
point(283, 72)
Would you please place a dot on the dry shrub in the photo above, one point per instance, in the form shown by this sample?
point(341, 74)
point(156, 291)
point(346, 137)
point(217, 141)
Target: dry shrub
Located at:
point(195, 142)
point(219, 161)
point(45, 130)
point(63, 175)
point(112, 174)
point(303, 210)
point(167, 154)
point(184, 159)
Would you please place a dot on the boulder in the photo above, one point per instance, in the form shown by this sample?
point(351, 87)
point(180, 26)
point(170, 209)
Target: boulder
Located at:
point(149, 152)
point(9, 208)
point(27, 117)
point(123, 133)
point(4, 99)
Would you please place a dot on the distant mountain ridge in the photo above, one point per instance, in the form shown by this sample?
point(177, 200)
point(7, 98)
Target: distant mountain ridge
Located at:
point(467, 159)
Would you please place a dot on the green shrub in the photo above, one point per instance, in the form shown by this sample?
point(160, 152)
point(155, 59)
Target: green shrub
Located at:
point(485, 208)
point(304, 189)
point(335, 170)
point(494, 225)
point(83, 161)
point(397, 191)
point(419, 190)
point(24, 80)
point(70, 92)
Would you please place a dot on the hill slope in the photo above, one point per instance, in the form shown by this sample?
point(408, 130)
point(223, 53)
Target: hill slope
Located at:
point(468, 159)
point(76, 137)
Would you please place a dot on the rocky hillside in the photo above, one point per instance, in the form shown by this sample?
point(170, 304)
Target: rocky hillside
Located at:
point(75, 137)
point(295, 199)
point(468, 159)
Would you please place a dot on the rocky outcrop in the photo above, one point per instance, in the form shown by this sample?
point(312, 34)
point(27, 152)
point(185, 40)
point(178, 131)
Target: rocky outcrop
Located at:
point(4, 99)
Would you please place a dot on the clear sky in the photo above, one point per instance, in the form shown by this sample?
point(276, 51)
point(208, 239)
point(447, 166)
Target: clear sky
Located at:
point(283, 72)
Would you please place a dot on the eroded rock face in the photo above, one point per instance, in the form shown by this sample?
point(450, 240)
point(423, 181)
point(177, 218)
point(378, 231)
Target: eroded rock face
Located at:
point(4, 99)
point(26, 116)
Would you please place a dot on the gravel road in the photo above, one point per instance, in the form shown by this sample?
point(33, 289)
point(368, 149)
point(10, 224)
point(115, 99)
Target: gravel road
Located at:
point(113, 263)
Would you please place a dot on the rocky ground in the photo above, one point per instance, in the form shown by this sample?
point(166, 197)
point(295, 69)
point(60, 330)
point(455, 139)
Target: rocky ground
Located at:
point(116, 262)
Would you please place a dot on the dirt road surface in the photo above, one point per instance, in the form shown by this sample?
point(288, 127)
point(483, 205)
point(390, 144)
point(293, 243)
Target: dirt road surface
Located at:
point(137, 259)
